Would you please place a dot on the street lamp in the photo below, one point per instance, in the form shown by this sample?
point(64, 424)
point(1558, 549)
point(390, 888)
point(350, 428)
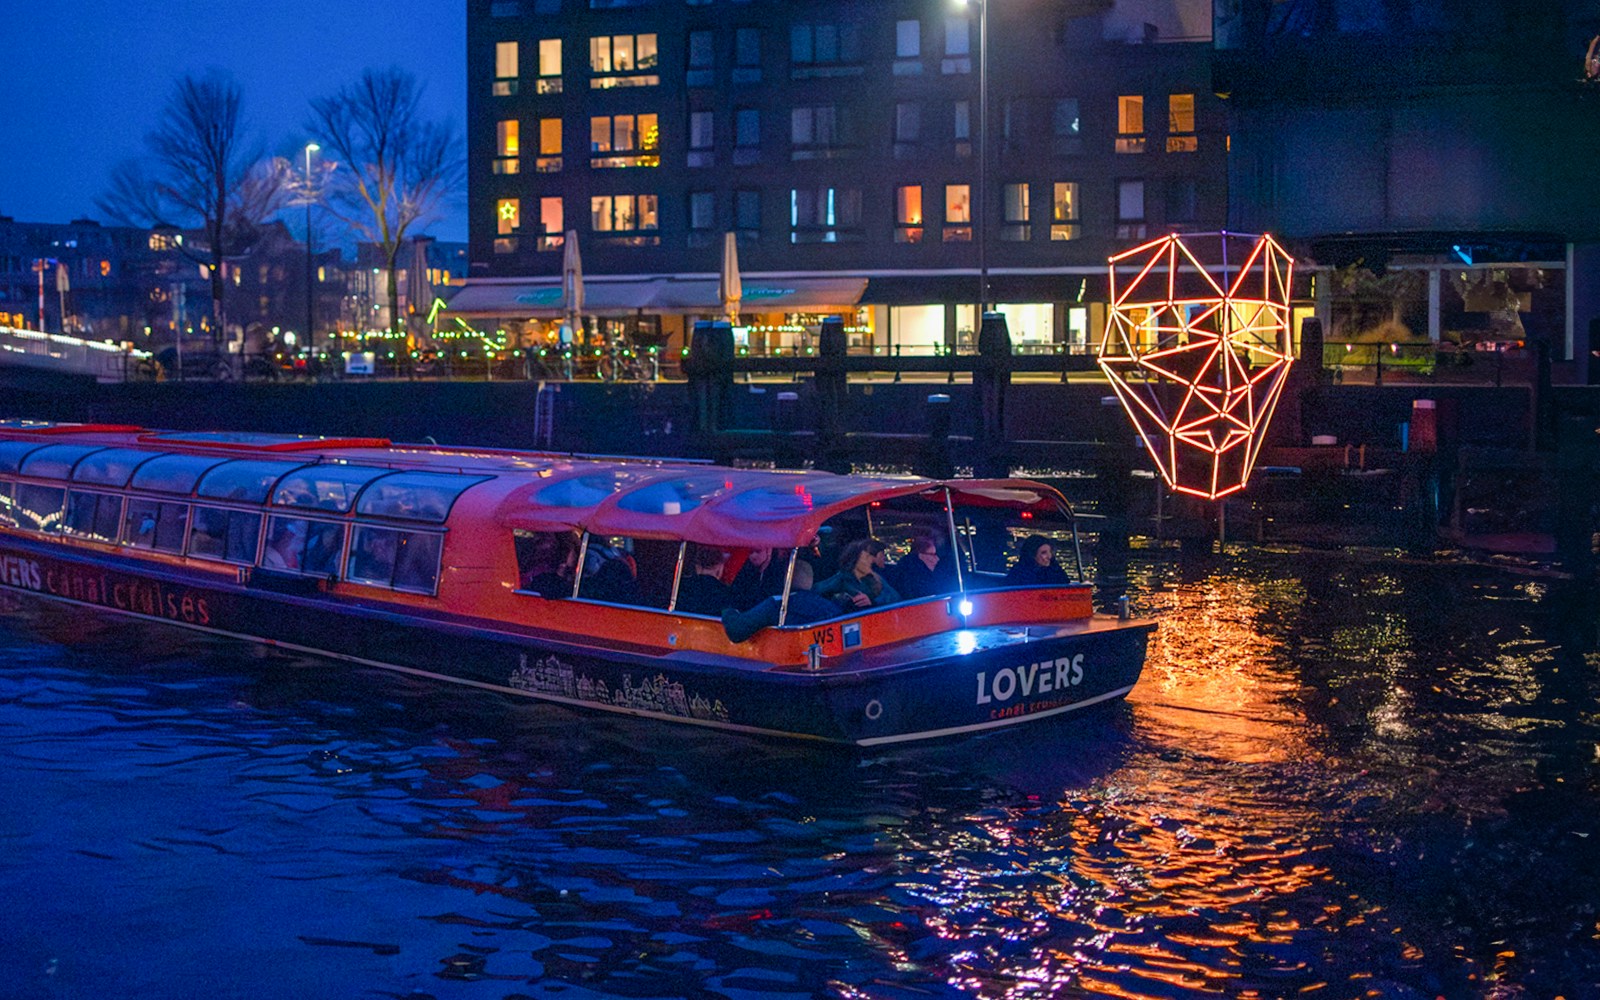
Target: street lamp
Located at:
point(311, 286)
point(982, 199)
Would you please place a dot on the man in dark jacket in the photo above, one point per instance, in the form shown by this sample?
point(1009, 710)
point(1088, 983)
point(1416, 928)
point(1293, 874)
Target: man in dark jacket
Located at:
point(805, 607)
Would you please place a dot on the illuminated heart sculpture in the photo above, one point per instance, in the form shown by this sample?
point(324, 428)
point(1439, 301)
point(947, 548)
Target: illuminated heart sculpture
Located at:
point(1198, 352)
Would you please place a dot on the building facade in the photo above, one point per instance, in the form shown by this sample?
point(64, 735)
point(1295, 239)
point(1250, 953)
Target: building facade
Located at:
point(838, 139)
point(1435, 160)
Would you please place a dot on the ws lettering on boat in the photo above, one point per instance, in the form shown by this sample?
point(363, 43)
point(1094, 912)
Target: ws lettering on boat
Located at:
point(854, 609)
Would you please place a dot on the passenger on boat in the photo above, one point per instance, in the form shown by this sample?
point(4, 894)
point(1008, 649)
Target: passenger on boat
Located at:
point(760, 577)
point(1036, 565)
point(551, 559)
point(322, 551)
point(919, 575)
point(857, 584)
point(283, 548)
point(373, 561)
point(805, 607)
point(609, 575)
point(703, 592)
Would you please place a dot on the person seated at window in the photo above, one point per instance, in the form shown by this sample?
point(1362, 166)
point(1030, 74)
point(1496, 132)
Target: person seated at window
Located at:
point(373, 560)
point(760, 577)
point(283, 548)
point(919, 574)
point(609, 575)
point(857, 584)
point(806, 607)
point(416, 564)
point(1036, 565)
point(322, 550)
point(549, 561)
point(703, 592)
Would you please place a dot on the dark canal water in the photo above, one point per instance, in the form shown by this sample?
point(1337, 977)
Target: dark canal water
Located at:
point(1343, 775)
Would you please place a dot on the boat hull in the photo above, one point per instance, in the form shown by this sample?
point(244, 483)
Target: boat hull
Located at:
point(964, 681)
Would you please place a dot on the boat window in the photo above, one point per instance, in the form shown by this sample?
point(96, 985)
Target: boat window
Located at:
point(387, 557)
point(155, 524)
point(780, 503)
point(302, 546)
point(172, 473)
point(7, 518)
point(415, 496)
point(324, 487)
point(589, 490)
point(545, 561)
point(13, 452)
point(246, 481)
point(38, 508)
point(93, 515)
point(111, 467)
point(636, 572)
point(55, 461)
point(225, 535)
point(674, 496)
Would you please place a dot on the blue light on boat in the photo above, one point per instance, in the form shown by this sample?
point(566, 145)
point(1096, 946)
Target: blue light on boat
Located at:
point(965, 607)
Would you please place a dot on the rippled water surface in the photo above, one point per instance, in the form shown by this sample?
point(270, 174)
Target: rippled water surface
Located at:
point(1342, 775)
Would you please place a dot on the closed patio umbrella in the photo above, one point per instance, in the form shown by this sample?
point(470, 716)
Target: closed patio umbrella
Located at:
point(572, 283)
point(730, 289)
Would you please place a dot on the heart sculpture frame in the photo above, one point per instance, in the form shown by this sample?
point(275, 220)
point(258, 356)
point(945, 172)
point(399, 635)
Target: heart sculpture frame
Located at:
point(1197, 347)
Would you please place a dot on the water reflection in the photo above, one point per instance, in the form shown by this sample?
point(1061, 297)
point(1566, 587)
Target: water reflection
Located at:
point(1341, 776)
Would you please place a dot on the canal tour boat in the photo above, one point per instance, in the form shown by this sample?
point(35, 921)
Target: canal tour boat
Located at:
point(568, 579)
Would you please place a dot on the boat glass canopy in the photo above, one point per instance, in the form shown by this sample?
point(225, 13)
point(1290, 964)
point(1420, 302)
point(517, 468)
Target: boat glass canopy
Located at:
point(245, 480)
point(56, 461)
point(13, 452)
point(324, 487)
point(172, 473)
point(111, 467)
point(415, 496)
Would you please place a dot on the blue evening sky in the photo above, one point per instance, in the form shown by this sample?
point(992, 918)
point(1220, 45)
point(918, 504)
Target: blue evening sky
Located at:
point(83, 80)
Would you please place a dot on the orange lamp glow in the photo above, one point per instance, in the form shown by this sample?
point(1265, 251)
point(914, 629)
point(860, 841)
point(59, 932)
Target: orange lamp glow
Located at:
point(1197, 348)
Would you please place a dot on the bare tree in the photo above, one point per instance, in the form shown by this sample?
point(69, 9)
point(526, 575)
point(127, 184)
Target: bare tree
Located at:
point(401, 166)
point(203, 177)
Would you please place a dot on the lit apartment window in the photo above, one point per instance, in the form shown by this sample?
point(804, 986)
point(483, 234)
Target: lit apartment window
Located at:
point(957, 213)
point(747, 55)
point(630, 219)
point(1064, 211)
point(747, 215)
point(507, 140)
point(550, 160)
point(957, 45)
point(1066, 127)
point(702, 59)
point(908, 48)
point(824, 215)
point(619, 61)
point(907, 129)
point(821, 50)
point(1130, 124)
point(549, 66)
point(820, 132)
point(1130, 210)
point(624, 141)
point(1015, 227)
point(552, 224)
point(505, 69)
point(908, 214)
point(1180, 124)
point(702, 218)
point(746, 136)
point(508, 218)
point(702, 139)
point(962, 127)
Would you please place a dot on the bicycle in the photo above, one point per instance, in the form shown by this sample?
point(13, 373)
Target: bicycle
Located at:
point(623, 362)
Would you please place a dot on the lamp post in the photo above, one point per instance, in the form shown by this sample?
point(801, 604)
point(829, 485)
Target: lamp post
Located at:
point(311, 286)
point(980, 202)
